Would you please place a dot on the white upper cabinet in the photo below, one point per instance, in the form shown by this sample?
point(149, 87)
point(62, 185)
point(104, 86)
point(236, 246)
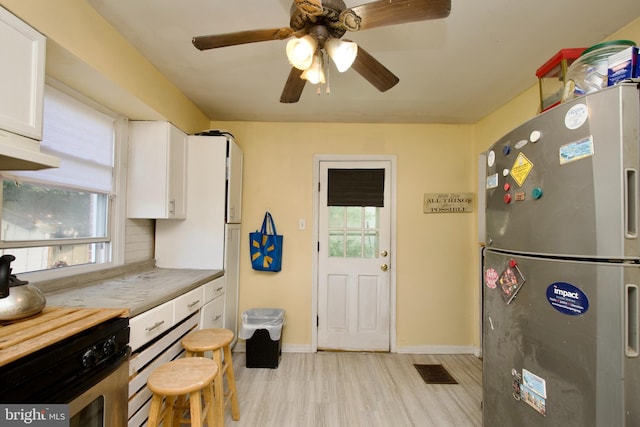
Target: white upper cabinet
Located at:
point(21, 95)
point(157, 179)
point(21, 77)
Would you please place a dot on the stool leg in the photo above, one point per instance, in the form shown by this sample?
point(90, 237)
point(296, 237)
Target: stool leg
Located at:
point(209, 404)
point(231, 381)
point(169, 403)
point(154, 411)
point(218, 388)
point(195, 406)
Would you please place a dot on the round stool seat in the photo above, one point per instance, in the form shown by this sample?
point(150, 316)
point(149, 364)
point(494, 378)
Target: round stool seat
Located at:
point(207, 339)
point(182, 376)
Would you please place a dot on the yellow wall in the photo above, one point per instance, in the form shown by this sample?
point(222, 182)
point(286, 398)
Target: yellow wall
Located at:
point(77, 27)
point(436, 297)
point(437, 286)
point(525, 106)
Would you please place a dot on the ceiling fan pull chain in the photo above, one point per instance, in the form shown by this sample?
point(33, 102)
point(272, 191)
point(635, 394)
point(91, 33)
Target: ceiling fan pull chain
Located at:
point(328, 74)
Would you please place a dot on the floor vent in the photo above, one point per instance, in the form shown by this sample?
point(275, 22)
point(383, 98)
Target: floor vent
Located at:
point(435, 374)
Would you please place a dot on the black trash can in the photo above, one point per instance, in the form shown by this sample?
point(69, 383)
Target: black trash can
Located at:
point(262, 330)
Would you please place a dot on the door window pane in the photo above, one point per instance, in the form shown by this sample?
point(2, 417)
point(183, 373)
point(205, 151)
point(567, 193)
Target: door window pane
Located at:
point(336, 217)
point(359, 237)
point(336, 244)
point(354, 217)
point(354, 244)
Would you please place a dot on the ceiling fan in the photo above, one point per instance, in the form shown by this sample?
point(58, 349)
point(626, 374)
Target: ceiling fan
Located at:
point(318, 27)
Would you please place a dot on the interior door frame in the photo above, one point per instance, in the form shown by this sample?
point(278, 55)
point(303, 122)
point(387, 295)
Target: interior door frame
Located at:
point(392, 249)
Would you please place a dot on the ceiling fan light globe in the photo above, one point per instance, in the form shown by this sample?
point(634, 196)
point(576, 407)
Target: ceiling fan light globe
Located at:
point(300, 51)
point(315, 73)
point(342, 53)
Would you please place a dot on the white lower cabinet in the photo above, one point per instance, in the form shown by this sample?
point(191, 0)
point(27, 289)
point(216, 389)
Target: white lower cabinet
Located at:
point(188, 303)
point(150, 324)
point(156, 338)
point(212, 314)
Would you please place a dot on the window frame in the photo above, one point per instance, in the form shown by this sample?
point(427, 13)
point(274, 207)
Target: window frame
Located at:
point(116, 221)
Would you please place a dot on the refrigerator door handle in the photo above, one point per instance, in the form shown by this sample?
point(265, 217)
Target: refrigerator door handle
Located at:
point(631, 320)
point(631, 204)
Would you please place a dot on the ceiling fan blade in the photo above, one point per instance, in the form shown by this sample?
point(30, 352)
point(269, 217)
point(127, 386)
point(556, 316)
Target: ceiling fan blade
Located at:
point(372, 70)
point(393, 12)
point(309, 7)
point(293, 87)
point(242, 37)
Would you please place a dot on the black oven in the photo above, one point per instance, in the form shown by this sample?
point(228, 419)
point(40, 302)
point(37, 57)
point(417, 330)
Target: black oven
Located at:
point(88, 371)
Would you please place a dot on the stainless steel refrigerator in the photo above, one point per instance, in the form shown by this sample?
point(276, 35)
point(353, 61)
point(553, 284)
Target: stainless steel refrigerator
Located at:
point(562, 267)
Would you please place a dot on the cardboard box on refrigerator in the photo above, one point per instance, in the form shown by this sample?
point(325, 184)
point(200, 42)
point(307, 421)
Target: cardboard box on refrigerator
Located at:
point(623, 65)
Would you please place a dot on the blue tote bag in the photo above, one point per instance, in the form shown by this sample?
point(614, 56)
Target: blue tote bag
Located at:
point(265, 246)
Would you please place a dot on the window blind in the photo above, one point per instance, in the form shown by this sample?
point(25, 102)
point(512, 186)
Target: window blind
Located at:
point(82, 137)
point(355, 187)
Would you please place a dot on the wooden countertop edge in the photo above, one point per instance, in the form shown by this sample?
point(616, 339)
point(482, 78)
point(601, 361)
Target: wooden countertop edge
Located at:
point(26, 336)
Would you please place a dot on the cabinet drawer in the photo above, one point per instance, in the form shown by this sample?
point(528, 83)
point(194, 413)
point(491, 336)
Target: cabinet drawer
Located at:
point(188, 303)
point(214, 288)
point(213, 314)
point(150, 324)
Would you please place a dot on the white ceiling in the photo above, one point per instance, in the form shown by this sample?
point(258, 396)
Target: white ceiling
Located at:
point(455, 70)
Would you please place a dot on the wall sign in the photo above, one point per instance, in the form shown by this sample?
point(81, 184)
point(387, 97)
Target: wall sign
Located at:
point(448, 202)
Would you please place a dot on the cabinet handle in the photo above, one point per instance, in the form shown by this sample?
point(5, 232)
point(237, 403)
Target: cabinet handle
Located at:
point(155, 326)
point(217, 317)
point(220, 288)
point(172, 206)
point(193, 303)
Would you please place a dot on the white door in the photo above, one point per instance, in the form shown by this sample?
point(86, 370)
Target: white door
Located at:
point(354, 261)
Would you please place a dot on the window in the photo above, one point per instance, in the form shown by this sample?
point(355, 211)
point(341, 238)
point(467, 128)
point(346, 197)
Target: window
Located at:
point(57, 218)
point(354, 199)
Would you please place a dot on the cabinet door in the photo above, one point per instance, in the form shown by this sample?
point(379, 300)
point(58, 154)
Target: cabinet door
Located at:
point(231, 274)
point(157, 171)
point(177, 173)
point(150, 324)
point(212, 314)
point(21, 77)
point(187, 304)
point(234, 183)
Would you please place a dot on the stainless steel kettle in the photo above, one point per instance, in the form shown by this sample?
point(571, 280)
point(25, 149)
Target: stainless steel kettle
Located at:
point(18, 299)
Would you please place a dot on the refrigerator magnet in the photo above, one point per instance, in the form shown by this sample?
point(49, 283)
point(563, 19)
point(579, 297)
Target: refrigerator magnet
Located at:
point(510, 281)
point(534, 391)
point(567, 299)
point(576, 116)
point(491, 278)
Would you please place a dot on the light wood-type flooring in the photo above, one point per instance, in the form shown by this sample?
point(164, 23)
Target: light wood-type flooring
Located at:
point(333, 389)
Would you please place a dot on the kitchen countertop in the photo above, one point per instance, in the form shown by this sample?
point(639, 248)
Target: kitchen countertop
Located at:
point(137, 292)
point(21, 337)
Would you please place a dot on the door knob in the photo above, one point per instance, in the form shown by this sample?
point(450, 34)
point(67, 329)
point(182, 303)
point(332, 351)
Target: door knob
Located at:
point(384, 253)
point(384, 267)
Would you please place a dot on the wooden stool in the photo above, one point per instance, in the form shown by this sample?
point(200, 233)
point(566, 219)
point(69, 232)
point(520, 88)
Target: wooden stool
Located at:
point(193, 376)
point(218, 341)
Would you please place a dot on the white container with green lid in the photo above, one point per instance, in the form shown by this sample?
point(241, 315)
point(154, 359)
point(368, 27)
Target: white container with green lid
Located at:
point(588, 73)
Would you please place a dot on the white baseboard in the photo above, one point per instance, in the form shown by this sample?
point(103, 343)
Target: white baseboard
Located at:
point(286, 348)
point(427, 349)
point(438, 349)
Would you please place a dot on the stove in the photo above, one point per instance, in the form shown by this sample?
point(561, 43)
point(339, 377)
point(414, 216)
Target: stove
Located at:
point(62, 371)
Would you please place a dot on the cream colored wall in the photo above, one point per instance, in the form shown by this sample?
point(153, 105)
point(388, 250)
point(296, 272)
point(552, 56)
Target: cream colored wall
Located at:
point(78, 28)
point(436, 302)
point(525, 106)
point(437, 284)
